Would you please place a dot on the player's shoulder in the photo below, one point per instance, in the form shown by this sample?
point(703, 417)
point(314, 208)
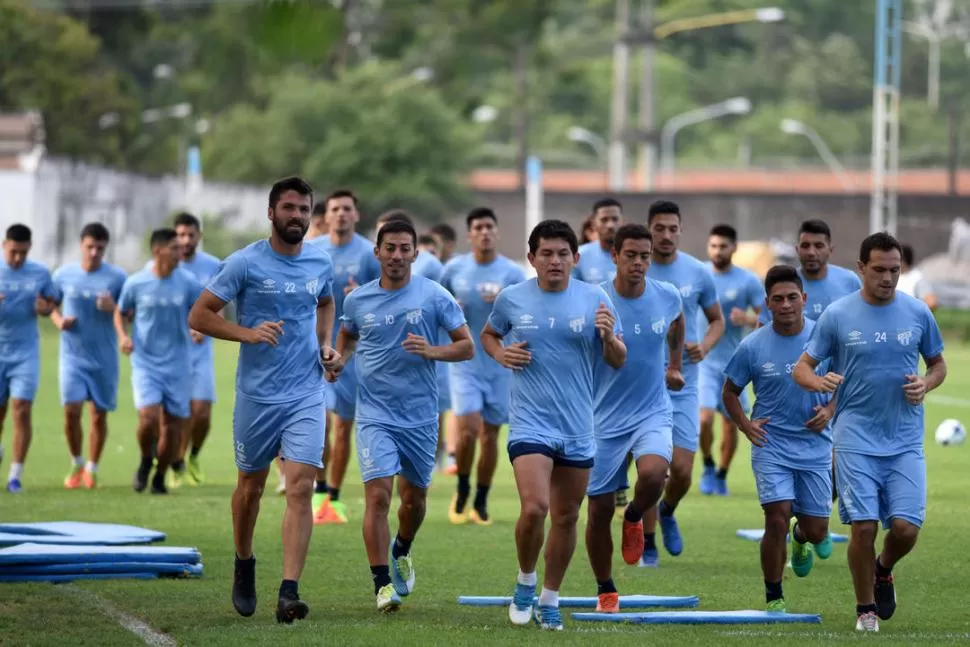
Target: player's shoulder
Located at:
point(67, 270)
point(748, 275)
point(520, 290)
point(141, 276)
point(36, 268)
point(582, 289)
point(912, 304)
point(845, 274)
point(585, 247)
point(113, 270)
point(310, 252)
point(689, 260)
point(457, 262)
point(208, 259)
point(663, 288)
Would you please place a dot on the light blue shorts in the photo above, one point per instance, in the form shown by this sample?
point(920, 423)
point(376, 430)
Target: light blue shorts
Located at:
point(384, 451)
point(485, 394)
point(654, 437)
point(292, 430)
point(19, 379)
point(444, 388)
point(881, 488)
point(810, 491)
point(84, 385)
point(564, 452)
point(204, 381)
point(151, 388)
point(687, 424)
point(710, 385)
point(342, 394)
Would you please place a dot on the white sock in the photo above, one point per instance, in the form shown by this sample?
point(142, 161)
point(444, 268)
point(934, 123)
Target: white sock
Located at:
point(78, 461)
point(91, 467)
point(548, 598)
point(527, 579)
point(16, 470)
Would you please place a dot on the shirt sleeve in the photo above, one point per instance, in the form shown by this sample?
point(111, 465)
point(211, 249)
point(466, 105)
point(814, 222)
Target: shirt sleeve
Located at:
point(449, 313)
point(738, 369)
point(498, 320)
point(47, 289)
point(708, 290)
point(230, 279)
point(347, 321)
point(119, 283)
point(325, 281)
point(821, 345)
point(58, 288)
point(931, 343)
point(126, 301)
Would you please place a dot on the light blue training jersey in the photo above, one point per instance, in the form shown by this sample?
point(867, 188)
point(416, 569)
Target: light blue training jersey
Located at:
point(820, 293)
point(736, 288)
point(355, 260)
point(19, 339)
point(595, 263)
point(92, 343)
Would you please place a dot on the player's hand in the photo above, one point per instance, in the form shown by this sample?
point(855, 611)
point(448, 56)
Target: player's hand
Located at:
point(104, 302)
point(820, 420)
point(675, 379)
point(738, 317)
point(756, 433)
point(417, 345)
point(515, 356)
point(605, 323)
point(829, 382)
point(351, 285)
point(43, 306)
point(695, 352)
point(267, 332)
point(197, 337)
point(126, 345)
point(915, 389)
point(331, 359)
point(67, 323)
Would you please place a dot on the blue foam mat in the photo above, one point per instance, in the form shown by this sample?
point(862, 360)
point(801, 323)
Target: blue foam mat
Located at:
point(53, 554)
point(59, 579)
point(76, 532)
point(626, 601)
point(755, 534)
point(103, 567)
point(701, 617)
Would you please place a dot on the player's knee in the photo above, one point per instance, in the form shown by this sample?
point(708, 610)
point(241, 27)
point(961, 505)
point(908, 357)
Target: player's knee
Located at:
point(864, 532)
point(814, 529)
point(534, 511)
point(149, 418)
point(567, 518)
point(299, 491)
point(904, 530)
point(601, 510)
point(776, 522)
point(680, 471)
point(378, 500)
point(249, 491)
point(21, 408)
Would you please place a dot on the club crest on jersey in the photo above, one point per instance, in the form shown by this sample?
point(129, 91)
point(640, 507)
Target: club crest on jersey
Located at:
point(658, 326)
point(730, 294)
point(686, 290)
point(413, 316)
point(905, 337)
point(311, 286)
point(576, 325)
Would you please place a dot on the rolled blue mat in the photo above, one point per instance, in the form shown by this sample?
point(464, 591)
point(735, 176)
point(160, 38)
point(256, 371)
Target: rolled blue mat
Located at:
point(52, 554)
point(185, 570)
point(60, 579)
point(76, 532)
point(626, 601)
point(701, 618)
point(755, 534)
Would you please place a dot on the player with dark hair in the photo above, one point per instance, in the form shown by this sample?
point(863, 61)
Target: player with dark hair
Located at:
point(791, 453)
point(318, 217)
point(87, 294)
point(912, 282)
point(386, 328)
point(283, 293)
point(26, 291)
point(596, 257)
point(874, 339)
point(741, 296)
point(632, 410)
point(550, 332)
point(698, 293)
point(480, 386)
point(445, 238)
point(353, 265)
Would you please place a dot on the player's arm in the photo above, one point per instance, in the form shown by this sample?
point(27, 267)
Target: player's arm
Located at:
point(461, 348)
point(205, 318)
point(935, 372)
point(805, 376)
point(675, 343)
point(715, 328)
point(731, 396)
point(124, 314)
point(326, 312)
point(346, 344)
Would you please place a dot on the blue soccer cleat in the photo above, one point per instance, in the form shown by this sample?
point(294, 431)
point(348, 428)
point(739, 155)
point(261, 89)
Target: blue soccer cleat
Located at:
point(650, 558)
point(14, 486)
point(548, 618)
point(720, 486)
point(520, 611)
point(402, 574)
point(823, 549)
point(671, 534)
point(708, 481)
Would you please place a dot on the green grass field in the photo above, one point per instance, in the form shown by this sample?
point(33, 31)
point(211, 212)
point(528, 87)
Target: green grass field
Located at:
point(722, 570)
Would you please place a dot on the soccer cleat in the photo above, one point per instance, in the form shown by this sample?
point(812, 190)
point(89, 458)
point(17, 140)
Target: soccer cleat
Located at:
point(608, 603)
point(14, 486)
point(867, 622)
point(290, 609)
point(802, 556)
point(884, 590)
point(520, 611)
point(402, 574)
point(74, 480)
point(777, 606)
point(823, 549)
point(650, 558)
point(548, 618)
point(388, 600)
point(673, 542)
point(479, 517)
point(158, 488)
point(140, 481)
point(455, 517)
point(195, 475)
point(708, 480)
point(173, 480)
point(632, 544)
point(720, 486)
point(244, 587)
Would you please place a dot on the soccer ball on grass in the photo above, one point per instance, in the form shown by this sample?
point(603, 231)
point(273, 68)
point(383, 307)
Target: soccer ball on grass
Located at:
point(951, 432)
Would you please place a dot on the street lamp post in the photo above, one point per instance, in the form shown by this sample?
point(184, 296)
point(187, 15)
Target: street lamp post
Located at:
point(795, 127)
point(733, 106)
point(580, 135)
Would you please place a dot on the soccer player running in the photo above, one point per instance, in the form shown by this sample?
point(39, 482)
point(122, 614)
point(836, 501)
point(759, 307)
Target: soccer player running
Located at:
point(912, 281)
point(874, 339)
point(791, 453)
point(282, 289)
point(157, 300)
point(632, 411)
point(26, 291)
point(445, 238)
point(481, 386)
point(596, 257)
point(698, 293)
point(386, 328)
point(741, 296)
point(553, 330)
point(354, 264)
point(824, 282)
point(87, 294)
point(203, 267)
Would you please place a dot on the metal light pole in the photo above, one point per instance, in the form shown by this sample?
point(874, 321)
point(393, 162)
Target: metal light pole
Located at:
point(883, 209)
point(618, 110)
point(734, 106)
point(580, 135)
point(795, 127)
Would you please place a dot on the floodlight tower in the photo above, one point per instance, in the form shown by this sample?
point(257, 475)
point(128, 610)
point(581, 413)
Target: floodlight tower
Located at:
point(885, 116)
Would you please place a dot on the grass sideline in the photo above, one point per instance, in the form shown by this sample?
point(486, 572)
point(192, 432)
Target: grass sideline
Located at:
point(450, 561)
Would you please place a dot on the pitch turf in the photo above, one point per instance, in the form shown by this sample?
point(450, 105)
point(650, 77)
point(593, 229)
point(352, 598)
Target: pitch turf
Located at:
point(722, 570)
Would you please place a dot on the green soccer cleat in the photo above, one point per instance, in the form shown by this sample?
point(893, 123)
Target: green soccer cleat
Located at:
point(801, 554)
point(777, 606)
point(195, 475)
point(823, 549)
point(388, 601)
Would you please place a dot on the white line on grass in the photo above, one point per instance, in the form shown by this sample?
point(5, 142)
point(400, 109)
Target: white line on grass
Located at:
point(946, 399)
point(130, 623)
point(763, 633)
